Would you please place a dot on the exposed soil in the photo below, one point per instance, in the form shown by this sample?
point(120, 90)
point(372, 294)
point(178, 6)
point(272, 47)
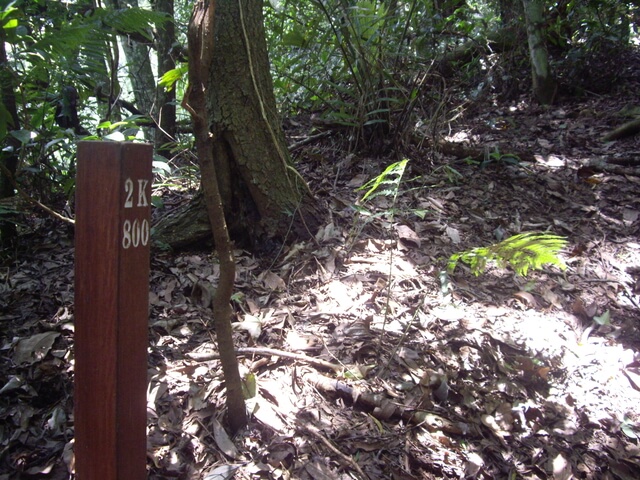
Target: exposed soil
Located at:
point(436, 376)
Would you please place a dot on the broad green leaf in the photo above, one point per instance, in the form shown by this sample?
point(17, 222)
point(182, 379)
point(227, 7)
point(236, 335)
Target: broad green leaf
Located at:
point(24, 136)
point(170, 78)
point(8, 11)
point(604, 319)
point(12, 23)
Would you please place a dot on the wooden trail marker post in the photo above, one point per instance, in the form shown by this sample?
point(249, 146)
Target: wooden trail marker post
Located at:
point(113, 198)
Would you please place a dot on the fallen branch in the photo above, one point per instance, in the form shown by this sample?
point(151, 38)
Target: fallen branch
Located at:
point(309, 139)
point(616, 166)
point(384, 409)
point(272, 351)
point(378, 405)
point(460, 150)
point(625, 130)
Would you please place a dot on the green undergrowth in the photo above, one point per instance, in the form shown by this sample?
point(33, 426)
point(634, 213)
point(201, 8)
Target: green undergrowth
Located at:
point(522, 252)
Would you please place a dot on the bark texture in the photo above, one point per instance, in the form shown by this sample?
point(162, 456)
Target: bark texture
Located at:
point(138, 65)
point(544, 85)
point(257, 180)
point(10, 145)
point(165, 109)
point(201, 41)
point(263, 195)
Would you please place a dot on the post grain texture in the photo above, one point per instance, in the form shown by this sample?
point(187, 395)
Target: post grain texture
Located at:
point(113, 193)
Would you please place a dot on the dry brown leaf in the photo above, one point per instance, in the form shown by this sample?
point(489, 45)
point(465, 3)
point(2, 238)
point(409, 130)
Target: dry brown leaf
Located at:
point(407, 236)
point(552, 298)
point(223, 441)
point(561, 468)
point(281, 455)
point(330, 263)
point(629, 215)
point(251, 324)
point(453, 234)
point(272, 281)
point(449, 313)
point(578, 309)
point(266, 414)
point(526, 299)
point(474, 464)
point(35, 348)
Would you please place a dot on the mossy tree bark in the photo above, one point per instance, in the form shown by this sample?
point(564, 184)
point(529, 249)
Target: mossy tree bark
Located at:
point(544, 84)
point(256, 179)
point(138, 64)
point(263, 195)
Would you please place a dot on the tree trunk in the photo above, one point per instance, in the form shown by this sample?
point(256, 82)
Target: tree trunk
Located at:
point(9, 145)
point(257, 179)
point(263, 195)
point(201, 49)
point(138, 66)
point(544, 85)
point(165, 115)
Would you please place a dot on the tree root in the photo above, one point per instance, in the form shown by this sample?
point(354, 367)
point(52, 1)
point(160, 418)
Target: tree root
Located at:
point(625, 130)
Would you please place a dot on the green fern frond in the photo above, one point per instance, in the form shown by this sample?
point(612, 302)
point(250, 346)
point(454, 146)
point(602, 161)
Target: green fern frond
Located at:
point(521, 252)
point(391, 178)
point(87, 33)
point(68, 39)
point(131, 20)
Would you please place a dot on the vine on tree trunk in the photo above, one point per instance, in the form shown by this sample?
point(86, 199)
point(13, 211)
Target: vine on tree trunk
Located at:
point(201, 38)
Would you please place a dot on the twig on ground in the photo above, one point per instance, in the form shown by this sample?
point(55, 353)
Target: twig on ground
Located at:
point(345, 458)
point(271, 351)
point(308, 140)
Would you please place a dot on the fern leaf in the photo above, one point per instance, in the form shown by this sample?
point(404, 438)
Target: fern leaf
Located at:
point(522, 252)
point(89, 33)
point(392, 175)
point(131, 20)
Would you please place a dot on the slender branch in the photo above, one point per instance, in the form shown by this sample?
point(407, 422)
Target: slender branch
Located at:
point(272, 352)
point(200, 35)
point(313, 431)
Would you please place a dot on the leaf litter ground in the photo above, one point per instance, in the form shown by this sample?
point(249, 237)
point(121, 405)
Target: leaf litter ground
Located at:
point(362, 358)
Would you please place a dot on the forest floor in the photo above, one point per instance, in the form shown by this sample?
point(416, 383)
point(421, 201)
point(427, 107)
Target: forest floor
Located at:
point(436, 375)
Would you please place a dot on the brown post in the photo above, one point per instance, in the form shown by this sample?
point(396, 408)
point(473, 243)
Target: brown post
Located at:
point(113, 197)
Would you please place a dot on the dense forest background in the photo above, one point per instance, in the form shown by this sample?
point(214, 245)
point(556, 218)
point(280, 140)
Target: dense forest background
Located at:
point(444, 284)
point(377, 73)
